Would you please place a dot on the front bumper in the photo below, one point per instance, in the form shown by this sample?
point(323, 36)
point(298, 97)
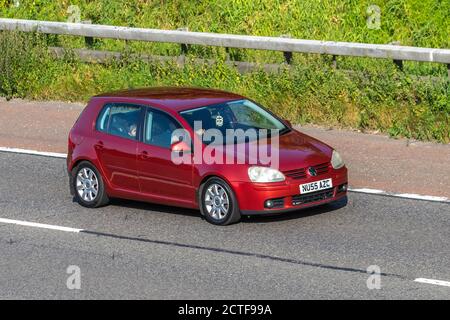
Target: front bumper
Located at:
point(252, 197)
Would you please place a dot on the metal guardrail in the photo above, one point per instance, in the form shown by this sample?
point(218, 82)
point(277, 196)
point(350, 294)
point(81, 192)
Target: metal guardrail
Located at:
point(283, 44)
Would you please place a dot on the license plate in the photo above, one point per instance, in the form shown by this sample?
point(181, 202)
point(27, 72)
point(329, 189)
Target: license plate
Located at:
point(316, 186)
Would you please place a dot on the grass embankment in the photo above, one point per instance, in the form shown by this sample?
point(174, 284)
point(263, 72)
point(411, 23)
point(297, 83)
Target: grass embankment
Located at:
point(373, 96)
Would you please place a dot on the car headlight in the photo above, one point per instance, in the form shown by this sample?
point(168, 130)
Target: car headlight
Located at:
point(336, 160)
point(264, 174)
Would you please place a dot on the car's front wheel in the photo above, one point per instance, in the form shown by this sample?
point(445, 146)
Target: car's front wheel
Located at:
point(218, 203)
point(88, 185)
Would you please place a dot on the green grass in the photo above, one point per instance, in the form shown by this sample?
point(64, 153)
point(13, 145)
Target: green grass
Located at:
point(365, 94)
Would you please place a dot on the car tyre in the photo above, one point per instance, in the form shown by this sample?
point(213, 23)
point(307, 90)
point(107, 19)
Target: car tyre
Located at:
point(88, 186)
point(218, 203)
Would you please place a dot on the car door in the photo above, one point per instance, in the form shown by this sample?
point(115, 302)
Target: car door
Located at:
point(116, 146)
point(159, 177)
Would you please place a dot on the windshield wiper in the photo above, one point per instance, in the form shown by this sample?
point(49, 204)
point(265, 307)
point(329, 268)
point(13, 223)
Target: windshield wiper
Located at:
point(285, 130)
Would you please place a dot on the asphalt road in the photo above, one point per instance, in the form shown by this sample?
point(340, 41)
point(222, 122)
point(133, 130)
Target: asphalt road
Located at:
point(145, 251)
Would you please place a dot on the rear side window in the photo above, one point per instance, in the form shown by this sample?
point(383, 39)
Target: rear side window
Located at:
point(119, 120)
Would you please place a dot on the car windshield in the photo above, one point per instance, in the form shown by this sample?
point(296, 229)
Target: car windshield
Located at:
point(231, 116)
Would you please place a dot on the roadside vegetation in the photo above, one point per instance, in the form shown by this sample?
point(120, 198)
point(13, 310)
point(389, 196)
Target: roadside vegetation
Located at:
point(364, 94)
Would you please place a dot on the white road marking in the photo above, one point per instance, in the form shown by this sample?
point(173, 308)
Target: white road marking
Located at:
point(33, 152)
point(432, 281)
point(365, 190)
point(360, 190)
point(39, 225)
point(401, 195)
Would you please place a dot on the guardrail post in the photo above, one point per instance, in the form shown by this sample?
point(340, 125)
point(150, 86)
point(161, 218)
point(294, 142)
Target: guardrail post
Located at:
point(334, 62)
point(51, 39)
point(399, 64)
point(448, 70)
point(287, 54)
point(89, 41)
point(227, 54)
point(184, 47)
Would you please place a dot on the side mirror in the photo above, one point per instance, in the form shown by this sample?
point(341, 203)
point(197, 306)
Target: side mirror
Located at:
point(181, 147)
point(288, 123)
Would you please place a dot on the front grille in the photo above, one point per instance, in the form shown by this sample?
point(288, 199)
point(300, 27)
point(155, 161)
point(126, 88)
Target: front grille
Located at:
point(321, 168)
point(312, 197)
point(297, 174)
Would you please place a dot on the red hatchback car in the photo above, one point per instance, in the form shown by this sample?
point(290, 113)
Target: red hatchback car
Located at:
point(198, 148)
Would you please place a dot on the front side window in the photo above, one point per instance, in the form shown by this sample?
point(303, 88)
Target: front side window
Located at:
point(159, 128)
point(119, 120)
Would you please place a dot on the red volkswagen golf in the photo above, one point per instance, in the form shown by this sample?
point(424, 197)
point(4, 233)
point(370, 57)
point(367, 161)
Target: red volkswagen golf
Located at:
point(198, 148)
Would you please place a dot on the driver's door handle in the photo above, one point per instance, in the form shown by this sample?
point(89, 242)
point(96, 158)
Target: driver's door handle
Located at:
point(144, 155)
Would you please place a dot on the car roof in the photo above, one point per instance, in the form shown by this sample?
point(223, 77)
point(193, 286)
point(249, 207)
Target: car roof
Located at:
point(176, 98)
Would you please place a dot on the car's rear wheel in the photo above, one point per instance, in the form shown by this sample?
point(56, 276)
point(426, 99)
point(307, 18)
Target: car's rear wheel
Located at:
point(89, 188)
point(218, 203)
